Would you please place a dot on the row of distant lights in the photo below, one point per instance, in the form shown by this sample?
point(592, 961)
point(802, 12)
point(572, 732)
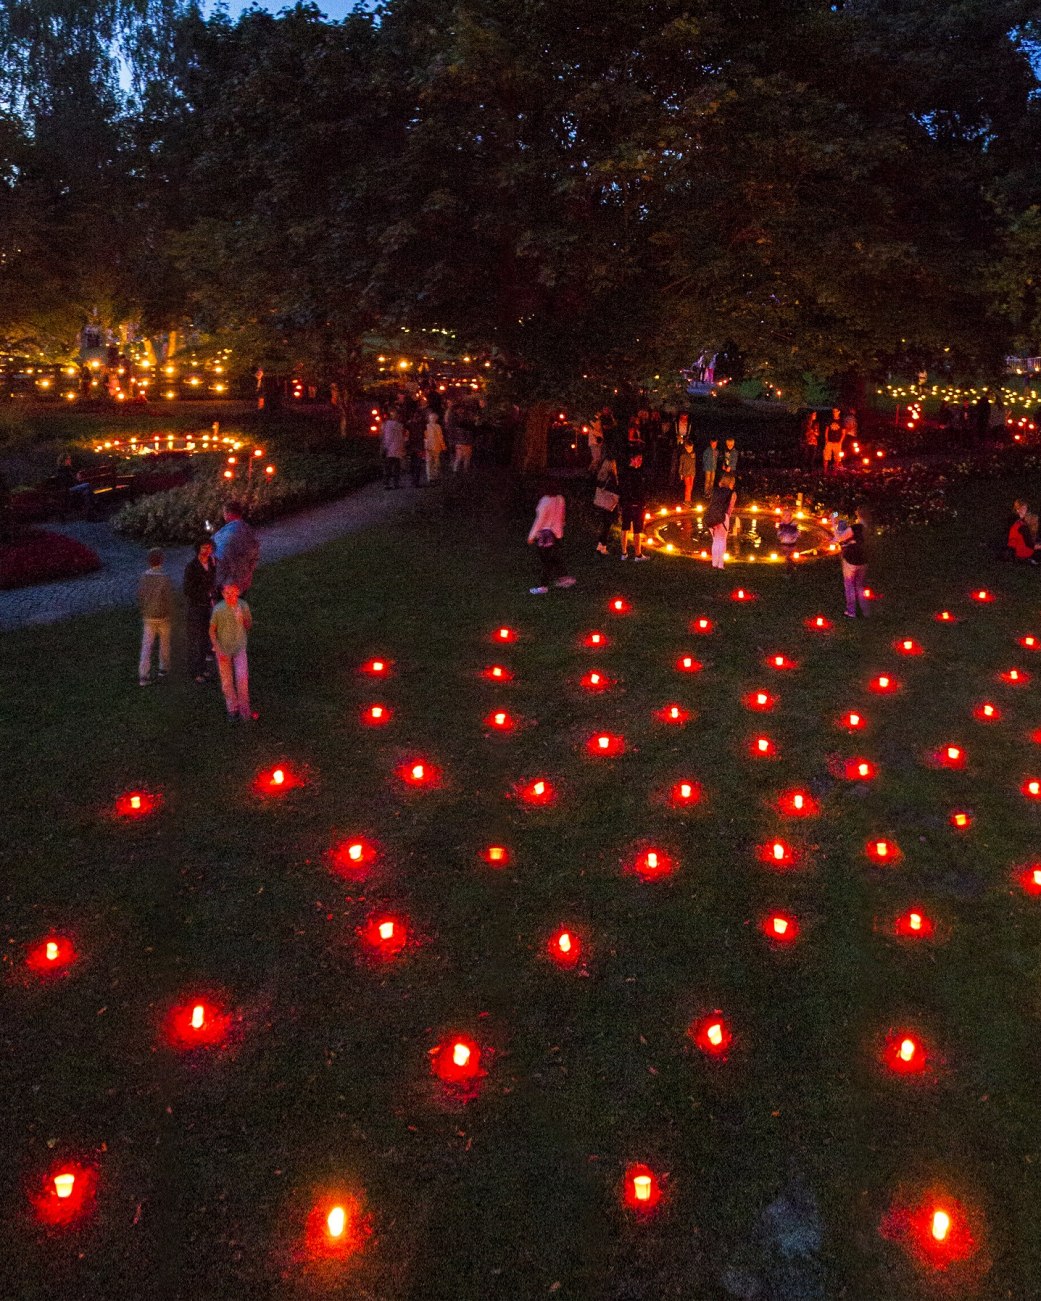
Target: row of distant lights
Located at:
point(952, 393)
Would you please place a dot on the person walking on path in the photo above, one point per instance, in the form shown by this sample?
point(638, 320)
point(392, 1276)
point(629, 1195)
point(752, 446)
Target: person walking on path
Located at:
point(687, 470)
point(605, 500)
point(392, 439)
point(709, 465)
point(717, 517)
point(155, 598)
point(237, 548)
point(434, 446)
point(230, 624)
point(547, 535)
point(632, 489)
point(200, 594)
point(851, 538)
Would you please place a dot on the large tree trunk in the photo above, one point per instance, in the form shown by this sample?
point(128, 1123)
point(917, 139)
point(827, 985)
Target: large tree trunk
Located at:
point(532, 446)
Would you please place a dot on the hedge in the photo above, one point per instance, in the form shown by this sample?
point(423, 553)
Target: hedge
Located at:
point(37, 556)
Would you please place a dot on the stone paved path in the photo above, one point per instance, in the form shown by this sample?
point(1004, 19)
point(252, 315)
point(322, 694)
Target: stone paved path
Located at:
point(123, 562)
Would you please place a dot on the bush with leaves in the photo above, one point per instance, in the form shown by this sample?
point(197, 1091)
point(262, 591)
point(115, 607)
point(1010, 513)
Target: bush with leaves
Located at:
point(182, 515)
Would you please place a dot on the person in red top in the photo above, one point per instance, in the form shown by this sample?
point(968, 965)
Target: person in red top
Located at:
point(1021, 536)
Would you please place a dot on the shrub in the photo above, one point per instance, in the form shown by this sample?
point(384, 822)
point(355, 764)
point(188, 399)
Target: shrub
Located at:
point(36, 556)
point(182, 514)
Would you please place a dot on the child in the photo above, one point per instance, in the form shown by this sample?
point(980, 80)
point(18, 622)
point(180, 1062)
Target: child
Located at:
point(155, 598)
point(229, 624)
point(688, 470)
point(787, 539)
point(547, 533)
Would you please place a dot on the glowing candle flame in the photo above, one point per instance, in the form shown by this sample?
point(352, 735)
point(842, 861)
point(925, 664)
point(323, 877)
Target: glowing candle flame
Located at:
point(386, 930)
point(64, 1184)
point(907, 1050)
point(460, 1055)
point(336, 1222)
point(135, 801)
point(642, 1188)
point(52, 951)
point(564, 942)
point(278, 777)
point(915, 921)
point(417, 772)
point(941, 1225)
point(714, 1034)
point(198, 1016)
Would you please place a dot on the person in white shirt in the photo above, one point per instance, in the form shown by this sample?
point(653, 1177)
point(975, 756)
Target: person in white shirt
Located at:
point(547, 536)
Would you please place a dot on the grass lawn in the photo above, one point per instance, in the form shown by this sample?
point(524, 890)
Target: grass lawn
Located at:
point(209, 1162)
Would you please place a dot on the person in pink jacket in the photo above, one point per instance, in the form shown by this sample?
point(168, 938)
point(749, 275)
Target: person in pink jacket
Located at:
point(547, 536)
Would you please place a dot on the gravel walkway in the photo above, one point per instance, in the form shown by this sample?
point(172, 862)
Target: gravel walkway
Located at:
point(123, 562)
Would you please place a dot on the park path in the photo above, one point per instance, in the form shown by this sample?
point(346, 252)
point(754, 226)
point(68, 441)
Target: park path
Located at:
point(123, 562)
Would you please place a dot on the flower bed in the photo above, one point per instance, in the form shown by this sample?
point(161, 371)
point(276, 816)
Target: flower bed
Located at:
point(182, 514)
point(36, 556)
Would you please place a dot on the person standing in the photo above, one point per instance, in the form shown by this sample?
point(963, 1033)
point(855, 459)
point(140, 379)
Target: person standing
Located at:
point(155, 599)
point(632, 491)
point(687, 471)
point(729, 458)
point(229, 628)
point(709, 465)
point(605, 500)
point(434, 446)
point(811, 437)
point(200, 594)
point(833, 439)
point(464, 440)
point(851, 538)
point(392, 438)
point(417, 423)
point(237, 549)
point(717, 517)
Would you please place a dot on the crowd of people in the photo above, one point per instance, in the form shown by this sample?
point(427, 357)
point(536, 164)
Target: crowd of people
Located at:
point(417, 431)
point(217, 619)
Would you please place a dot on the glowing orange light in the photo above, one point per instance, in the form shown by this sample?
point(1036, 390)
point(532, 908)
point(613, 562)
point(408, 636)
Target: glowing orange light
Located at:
point(50, 955)
point(198, 1024)
point(136, 804)
point(500, 720)
point(983, 596)
point(538, 791)
point(386, 936)
point(65, 1193)
point(952, 756)
point(596, 681)
point(278, 777)
point(883, 851)
point(565, 948)
point(642, 1191)
point(760, 700)
point(797, 804)
point(853, 720)
point(457, 1061)
point(904, 1054)
point(652, 863)
point(277, 781)
point(781, 662)
point(606, 745)
point(915, 925)
point(386, 930)
point(497, 854)
point(1030, 879)
point(776, 853)
point(198, 1016)
point(961, 820)
point(686, 793)
point(781, 928)
point(377, 715)
point(945, 616)
point(1015, 677)
point(1032, 788)
point(987, 713)
point(336, 1222)
point(908, 646)
point(1029, 642)
point(884, 684)
point(712, 1035)
point(673, 714)
point(858, 770)
point(940, 1226)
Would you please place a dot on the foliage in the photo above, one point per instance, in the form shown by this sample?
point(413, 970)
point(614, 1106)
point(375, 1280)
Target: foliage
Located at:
point(36, 556)
point(184, 514)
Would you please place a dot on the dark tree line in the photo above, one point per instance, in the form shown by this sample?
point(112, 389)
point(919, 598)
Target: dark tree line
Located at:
point(593, 189)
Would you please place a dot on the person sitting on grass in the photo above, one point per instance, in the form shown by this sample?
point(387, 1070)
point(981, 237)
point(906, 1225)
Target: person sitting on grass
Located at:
point(547, 535)
point(230, 623)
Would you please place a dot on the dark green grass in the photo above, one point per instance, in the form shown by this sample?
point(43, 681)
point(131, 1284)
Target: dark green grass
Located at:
point(208, 1167)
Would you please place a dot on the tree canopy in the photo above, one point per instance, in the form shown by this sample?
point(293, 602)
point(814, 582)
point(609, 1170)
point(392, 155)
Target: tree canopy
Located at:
point(594, 191)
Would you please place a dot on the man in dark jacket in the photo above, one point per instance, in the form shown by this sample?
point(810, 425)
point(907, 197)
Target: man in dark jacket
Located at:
point(200, 596)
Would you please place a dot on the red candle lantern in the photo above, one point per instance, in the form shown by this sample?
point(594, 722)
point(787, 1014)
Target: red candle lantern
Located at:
point(385, 935)
point(538, 791)
point(565, 948)
point(762, 747)
point(950, 756)
point(337, 1227)
point(1032, 788)
point(797, 804)
point(776, 853)
point(818, 623)
point(498, 673)
point(853, 721)
point(675, 715)
point(198, 1023)
point(688, 664)
point(457, 1061)
point(1015, 677)
point(505, 635)
point(685, 794)
point(1030, 879)
point(376, 715)
point(594, 680)
point(701, 625)
point(496, 855)
point(884, 685)
point(500, 721)
point(945, 616)
point(376, 668)
point(781, 662)
point(904, 1053)
point(65, 1194)
point(606, 745)
point(1029, 642)
point(712, 1035)
point(780, 928)
point(908, 646)
point(277, 781)
point(915, 924)
point(619, 605)
point(939, 1233)
point(741, 595)
point(983, 596)
point(352, 856)
point(763, 701)
point(642, 1191)
point(653, 863)
point(419, 773)
point(54, 953)
point(883, 852)
point(987, 712)
point(595, 640)
point(859, 770)
point(960, 820)
point(136, 804)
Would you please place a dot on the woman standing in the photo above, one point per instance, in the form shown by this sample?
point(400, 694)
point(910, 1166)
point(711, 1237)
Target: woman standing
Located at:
point(434, 445)
point(717, 517)
point(200, 595)
point(605, 499)
point(851, 538)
